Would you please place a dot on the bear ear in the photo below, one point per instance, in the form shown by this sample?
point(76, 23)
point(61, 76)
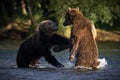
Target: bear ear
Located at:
point(77, 8)
point(69, 8)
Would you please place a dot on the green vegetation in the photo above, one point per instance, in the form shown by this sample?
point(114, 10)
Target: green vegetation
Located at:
point(104, 13)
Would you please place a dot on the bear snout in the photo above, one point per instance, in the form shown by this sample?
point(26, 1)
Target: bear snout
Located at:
point(56, 28)
point(56, 23)
point(65, 24)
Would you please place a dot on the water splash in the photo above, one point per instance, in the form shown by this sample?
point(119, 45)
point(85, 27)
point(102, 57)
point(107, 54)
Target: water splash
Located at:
point(103, 63)
point(83, 67)
point(68, 64)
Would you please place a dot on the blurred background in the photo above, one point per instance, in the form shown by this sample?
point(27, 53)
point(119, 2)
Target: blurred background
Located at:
point(19, 18)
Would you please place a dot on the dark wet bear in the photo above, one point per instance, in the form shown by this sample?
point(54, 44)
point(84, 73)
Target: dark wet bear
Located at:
point(38, 45)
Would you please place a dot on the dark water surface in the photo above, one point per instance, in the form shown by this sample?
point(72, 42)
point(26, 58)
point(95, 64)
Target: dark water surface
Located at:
point(8, 70)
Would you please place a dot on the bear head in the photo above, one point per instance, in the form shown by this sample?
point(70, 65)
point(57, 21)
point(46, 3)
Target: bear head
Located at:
point(72, 14)
point(48, 27)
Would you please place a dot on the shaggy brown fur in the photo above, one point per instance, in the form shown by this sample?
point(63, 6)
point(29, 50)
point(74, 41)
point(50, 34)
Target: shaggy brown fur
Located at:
point(82, 39)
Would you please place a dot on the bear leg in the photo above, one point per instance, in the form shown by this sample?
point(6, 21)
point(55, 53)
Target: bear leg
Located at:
point(52, 60)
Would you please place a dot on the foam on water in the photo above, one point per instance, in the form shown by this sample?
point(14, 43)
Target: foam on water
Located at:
point(68, 64)
point(103, 63)
point(83, 67)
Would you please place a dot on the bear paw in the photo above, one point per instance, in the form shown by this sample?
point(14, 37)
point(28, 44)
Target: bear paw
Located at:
point(71, 58)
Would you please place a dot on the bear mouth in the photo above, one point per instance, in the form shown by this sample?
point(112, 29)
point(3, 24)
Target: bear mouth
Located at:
point(52, 30)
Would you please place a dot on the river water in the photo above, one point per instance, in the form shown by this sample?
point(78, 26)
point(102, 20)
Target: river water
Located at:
point(8, 70)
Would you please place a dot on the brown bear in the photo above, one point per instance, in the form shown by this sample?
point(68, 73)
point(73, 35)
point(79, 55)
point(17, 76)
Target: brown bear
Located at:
point(38, 45)
point(82, 41)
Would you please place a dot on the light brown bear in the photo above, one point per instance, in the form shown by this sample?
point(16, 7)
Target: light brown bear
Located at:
point(82, 41)
point(38, 45)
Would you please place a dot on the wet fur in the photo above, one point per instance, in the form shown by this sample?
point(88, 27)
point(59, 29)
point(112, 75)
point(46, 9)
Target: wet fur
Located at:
point(38, 45)
point(83, 43)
